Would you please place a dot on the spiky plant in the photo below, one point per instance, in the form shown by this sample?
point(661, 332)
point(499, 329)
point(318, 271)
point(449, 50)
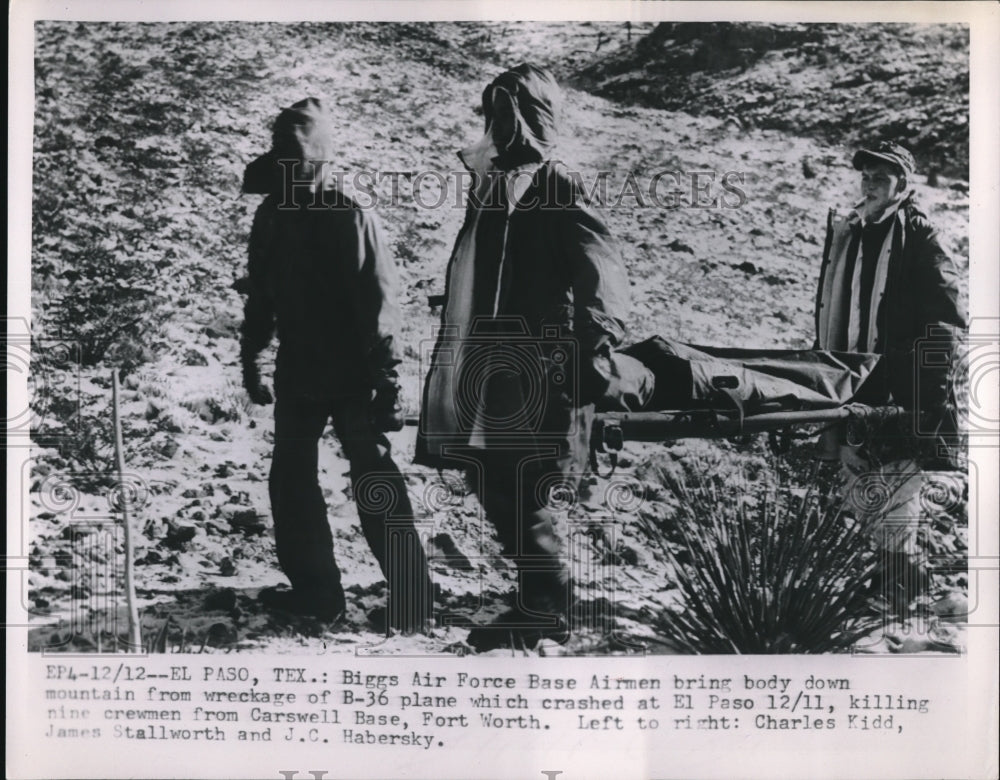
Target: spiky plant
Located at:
point(764, 569)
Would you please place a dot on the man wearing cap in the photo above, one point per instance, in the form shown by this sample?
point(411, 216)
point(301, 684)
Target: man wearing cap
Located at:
point(887, 286)
point(321, 276)
point(536, 297)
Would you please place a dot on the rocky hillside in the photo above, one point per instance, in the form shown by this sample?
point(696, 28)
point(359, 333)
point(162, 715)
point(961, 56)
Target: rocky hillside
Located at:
point(844, 84)
point(139, 236)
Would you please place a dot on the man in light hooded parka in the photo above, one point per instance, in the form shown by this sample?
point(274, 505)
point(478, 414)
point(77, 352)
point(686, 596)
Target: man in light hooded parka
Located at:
point(536, 295)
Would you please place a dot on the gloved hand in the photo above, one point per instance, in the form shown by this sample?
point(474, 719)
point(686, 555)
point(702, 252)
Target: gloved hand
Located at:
point(385, 411)
point(259, 393)
point(596, 371)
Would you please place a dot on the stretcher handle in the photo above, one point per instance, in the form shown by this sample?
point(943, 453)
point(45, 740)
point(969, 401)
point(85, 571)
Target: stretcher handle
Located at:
point(612, 429)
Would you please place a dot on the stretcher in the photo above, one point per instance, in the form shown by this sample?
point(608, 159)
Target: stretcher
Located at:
point(661, 389)
point(610, 430)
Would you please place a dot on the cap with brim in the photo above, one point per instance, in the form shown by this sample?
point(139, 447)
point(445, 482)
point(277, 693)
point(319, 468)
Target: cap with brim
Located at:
point(888, 153)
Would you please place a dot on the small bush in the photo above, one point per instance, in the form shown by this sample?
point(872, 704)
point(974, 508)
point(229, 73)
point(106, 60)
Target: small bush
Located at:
point(107, 303)
point(765, 569)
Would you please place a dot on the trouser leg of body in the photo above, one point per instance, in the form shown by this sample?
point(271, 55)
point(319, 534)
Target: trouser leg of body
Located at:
point(386, 516)
point(301, 529)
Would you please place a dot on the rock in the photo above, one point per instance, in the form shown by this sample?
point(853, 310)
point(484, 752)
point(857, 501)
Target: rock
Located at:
point(622, 556)
point(193, 357)
point(210, 410)
point(853, 81)
point(246, 520)
point(165, 420)
point(227, 568)
point(178, 534)
point(215, 527)
point(223, 599)
point(450, 552)
point(79, 592)
point(653, 491)
point(224, 325)
point(679, 246)
point(808, 171)
point(747, 267)
point(168, 447)
point(76, 531)
point(953, 608)
point(220, 634)
point(240, 498)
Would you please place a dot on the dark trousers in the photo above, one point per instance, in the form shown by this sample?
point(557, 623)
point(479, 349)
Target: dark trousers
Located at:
point(518, 489)
point(301, 528)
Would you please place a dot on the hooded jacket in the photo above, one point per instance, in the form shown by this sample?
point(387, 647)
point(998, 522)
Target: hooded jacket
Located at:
point(535, 300)
point(320, 273)
point(916, 316)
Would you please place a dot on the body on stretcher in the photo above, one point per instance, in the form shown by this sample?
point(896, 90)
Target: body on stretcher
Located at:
point(661, 389)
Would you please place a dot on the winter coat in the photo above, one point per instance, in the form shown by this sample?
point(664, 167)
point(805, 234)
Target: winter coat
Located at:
point(916, 315)
point(321, 274)
point(527, 331)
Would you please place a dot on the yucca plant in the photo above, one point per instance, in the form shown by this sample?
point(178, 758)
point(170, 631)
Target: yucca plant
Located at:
point(765, 569)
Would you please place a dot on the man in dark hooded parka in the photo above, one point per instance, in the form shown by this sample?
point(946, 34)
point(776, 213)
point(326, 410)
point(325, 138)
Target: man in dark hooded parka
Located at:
point(536, 296)
point(321, 275)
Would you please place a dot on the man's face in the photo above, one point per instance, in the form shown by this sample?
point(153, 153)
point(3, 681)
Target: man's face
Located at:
point(881, 187)
point(504, 124)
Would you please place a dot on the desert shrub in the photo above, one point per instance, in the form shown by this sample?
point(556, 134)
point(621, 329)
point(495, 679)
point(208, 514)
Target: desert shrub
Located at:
point(107, 304)
point(764, 568)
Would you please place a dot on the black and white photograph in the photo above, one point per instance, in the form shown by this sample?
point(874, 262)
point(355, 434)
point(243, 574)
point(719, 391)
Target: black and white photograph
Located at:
point(616, 349)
